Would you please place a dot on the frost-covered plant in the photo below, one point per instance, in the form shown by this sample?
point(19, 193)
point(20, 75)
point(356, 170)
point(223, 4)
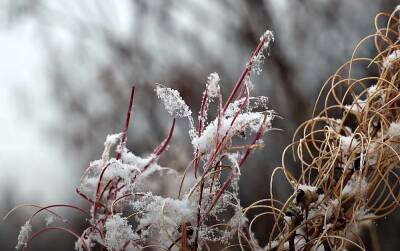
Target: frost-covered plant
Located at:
point(125, 215)
point(348, 155)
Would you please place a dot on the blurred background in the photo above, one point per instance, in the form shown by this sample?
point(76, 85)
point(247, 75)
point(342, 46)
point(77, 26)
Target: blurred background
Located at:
point(66, 68)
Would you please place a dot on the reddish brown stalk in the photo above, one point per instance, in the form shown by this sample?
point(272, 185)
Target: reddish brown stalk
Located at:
point(157, 152)
point(118, 155)
point(196, 238)
point(184, 239)
point(126, 127)
point(216, 174)
point(256, 138)
point(199, 130)
point(88, 199)
point(98, 190)
point(245, 72)
point(60, 205)
point(221, 143)
point(218, 127)
point(174, 243)
point(84, 196)
point(208, 165)
point(101, 177)
point(161, 148)
point(227, 182)
point(104, 189)
point(34, 235)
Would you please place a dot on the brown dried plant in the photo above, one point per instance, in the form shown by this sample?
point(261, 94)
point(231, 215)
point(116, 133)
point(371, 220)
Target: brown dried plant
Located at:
point(348, 154)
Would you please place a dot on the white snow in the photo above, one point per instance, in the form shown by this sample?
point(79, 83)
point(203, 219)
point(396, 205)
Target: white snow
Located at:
point(213, 85)
point(394, 129)
point(118, 231)
point(169, 211)
point(258, 59)
point(307, 188)
point(372, 90)
point(355, 186)
point(392, 57)
point(269, 36)
point(49, 220)
point(357, 107)
point(348, 143)
point(212, 134)
point(173, 102)
point(24, 233)
point(112, 138)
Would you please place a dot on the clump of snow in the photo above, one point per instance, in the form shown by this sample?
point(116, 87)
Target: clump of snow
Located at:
point(394, 129)
point(125, 169)
point(372, 90)
point(355, 186)
point(24, 233)
point(173, 102)
point(228, 127)
point(169, 211)
point(357, 107)
point(85, 241)
point(268, 36)
point(213, 85)
point(49, 220)
point(348, 143)
point(304, 187)
point(234, 107)
point(392, 57)
point(118, 231)
point(161, 217)
point(112, 139)
point(238, 220)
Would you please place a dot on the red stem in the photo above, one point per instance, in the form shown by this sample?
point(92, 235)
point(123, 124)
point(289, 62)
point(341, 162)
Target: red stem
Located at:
point(245, 72)
point(34, 235)
point(126, 127)
point(226, 183)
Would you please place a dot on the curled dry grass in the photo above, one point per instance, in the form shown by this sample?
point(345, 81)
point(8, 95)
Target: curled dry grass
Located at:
point(348, 154)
